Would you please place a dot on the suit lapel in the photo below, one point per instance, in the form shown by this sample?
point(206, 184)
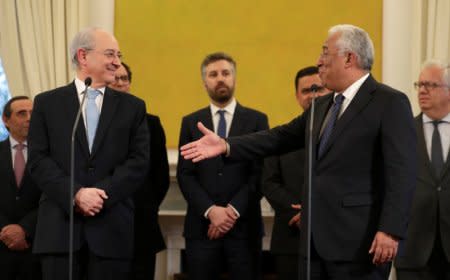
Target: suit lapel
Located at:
point(359, 102)
point(321, 106)
point(109, 106)
point(424, 158)
point(238, 122)
point(71, 107)
point(6, 164)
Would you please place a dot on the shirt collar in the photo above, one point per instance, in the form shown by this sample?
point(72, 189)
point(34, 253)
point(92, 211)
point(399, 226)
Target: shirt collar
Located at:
point(230, 108)
point(427, 119)
point(351, 91)
point(79, 84)
point(14, 142)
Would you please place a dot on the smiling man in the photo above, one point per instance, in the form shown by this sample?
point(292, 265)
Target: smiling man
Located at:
point(111, 160)
point(363, 166)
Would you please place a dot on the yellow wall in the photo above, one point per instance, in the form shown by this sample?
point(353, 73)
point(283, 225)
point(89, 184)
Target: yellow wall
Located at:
point(164, 42)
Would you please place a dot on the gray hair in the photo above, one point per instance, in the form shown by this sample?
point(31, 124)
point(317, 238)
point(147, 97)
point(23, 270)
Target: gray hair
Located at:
point(356, 40)
point(82, 40)
point(435, 63)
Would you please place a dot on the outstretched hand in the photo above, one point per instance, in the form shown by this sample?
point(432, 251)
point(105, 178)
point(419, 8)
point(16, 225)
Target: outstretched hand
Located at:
point(210, 145)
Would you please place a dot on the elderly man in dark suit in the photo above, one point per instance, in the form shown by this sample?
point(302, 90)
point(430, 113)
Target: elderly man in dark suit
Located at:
point(148, 238)
point(19, 196)
point(363, 167)
point(283, 177)
point(427, 246)
point(111, 162)
point(223, 224)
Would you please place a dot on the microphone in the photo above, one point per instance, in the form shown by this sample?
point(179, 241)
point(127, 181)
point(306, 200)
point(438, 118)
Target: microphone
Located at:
point(314, 89)
point(87, 83)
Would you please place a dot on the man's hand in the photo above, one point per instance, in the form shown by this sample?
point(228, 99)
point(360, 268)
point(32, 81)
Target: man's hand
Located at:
point(214, 232)
point(89, 200)
point(295, 220)
point(14, 237)
point(384, 248)
point(223, 218)
point(210, 145)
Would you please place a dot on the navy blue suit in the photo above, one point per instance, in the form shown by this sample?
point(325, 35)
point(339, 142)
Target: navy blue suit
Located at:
point(215, 182)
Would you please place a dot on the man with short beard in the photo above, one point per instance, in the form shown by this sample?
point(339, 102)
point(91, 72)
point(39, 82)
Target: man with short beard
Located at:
point(223, 224)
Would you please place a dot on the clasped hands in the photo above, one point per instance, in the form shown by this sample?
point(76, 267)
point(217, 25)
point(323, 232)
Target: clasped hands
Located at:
point(14, 237)
point(89, 201)
point(222, 220)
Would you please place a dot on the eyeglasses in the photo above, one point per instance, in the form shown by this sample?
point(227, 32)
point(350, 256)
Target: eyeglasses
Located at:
point(312, 89)
point(428, 85)
point(110, 54)
point(123, 78)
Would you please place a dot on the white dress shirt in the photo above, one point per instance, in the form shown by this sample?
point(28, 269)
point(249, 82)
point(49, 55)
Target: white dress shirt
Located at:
point(229, 113)
point(98, 100)
point(444, 131)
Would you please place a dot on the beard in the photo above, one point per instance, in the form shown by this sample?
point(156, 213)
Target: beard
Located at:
point(221, 93)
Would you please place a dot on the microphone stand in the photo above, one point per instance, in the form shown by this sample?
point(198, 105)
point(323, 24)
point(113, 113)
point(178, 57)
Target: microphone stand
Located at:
point(310, 161)
point(87, 83)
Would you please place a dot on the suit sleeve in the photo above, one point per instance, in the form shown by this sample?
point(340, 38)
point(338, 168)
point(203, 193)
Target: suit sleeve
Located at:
point(128, 176)
point(278, 140)
point(273, 186)
point(252, 189)
point(28, 222)
point(187, 177)
point(399, 166)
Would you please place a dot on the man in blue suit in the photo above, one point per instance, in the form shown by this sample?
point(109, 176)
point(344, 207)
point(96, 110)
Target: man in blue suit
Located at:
point(363, 167)
point(223, 224)
point(111, 161)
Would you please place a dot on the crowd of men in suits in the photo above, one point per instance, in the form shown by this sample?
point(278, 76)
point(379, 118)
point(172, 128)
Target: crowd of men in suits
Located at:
point(380, 178)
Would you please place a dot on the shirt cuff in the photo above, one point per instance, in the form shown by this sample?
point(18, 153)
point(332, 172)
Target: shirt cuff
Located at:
point(235, 211)
point(207, 211)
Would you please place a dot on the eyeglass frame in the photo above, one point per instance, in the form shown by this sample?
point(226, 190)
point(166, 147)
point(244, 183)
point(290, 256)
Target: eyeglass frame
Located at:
point(429, 85)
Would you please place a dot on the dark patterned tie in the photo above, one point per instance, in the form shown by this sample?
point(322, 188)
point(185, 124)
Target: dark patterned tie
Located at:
point(331, 123)
point(222, 127)
point(19, 164)
point(437, 159)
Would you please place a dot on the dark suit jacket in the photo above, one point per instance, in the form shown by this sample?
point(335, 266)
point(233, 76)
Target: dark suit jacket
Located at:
point(215, 182)
point(148, 198)
point(17, 205)
point(282, 180)
point(118, 164)
point(365, 179)
point(431, 205)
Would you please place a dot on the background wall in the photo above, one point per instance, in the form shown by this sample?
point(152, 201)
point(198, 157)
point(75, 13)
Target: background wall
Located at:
point(164, 42)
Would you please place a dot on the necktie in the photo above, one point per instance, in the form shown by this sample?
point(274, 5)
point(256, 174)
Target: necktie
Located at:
point(92, 115)
point(19, 163)
point(330, 124)
point(437, 159)
point(222, 127)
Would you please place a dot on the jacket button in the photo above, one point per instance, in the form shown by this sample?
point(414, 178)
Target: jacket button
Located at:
point(439, 188)
point(17, 197)
point(220, 174)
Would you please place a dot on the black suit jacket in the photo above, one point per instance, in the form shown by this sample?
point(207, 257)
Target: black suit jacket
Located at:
point(214, 182)
point(431, 206)
point(118, 164)
point(17, 205)
point(148, 198)
point(283, 177)
point(365, 179)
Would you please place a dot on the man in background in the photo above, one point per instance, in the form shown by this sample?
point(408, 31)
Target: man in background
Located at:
point(283, 179)
point(148, 239)
point(111, 161)
point(19, 196)
point(223, 224)
point(427, 245)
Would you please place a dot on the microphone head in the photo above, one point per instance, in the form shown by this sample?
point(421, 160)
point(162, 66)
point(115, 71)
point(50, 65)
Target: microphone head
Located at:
point(314, 88)
point(88, 81)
